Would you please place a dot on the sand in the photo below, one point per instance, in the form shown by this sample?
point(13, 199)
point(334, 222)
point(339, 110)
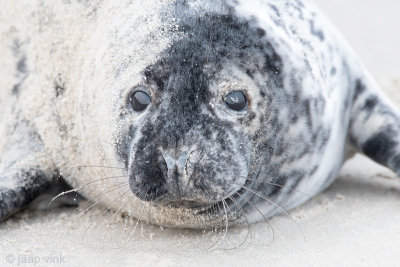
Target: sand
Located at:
point(356, 222)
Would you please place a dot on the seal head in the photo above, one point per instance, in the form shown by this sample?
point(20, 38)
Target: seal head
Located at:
point(205, 127)
point(194, 143)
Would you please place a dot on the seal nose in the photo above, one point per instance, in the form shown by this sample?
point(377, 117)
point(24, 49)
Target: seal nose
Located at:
point(177, 178)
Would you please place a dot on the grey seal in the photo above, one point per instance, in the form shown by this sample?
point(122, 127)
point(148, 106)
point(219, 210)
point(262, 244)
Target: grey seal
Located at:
point(199, 112)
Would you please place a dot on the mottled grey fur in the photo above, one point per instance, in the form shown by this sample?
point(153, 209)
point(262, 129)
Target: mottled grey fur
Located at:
point(309, 101)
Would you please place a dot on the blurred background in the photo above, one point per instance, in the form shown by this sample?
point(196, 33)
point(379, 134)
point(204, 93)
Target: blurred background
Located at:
point(372, 28)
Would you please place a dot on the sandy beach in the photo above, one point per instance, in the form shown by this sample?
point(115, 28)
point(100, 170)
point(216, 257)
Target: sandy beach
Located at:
point(355, 222)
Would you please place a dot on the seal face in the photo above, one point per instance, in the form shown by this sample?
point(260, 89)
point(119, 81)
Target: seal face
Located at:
point(211, 111)
point(216, 131)
point(193, 129)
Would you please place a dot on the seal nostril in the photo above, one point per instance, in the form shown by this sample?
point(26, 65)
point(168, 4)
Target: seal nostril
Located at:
point(175, 170)
point(162, 164)
point(147, 181)
point(150, 190)
point(187, 161)
point(176, 159)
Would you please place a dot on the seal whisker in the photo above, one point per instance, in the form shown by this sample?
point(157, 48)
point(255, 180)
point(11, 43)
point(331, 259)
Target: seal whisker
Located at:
point(148, 210)
point(102, 193)
point(106, 159)
point(126, 191)
point(96, 166)
point(265, 218)
point(226, 221)
point(91, 206)
point(211, 213)
point(225, 231)
point(114, 216)
point(275, 204)
point(136, 205)
point(127, 221)
point(137, 222)
point(249, 233)
point(275, 184)
point(97, 202)
point(83, 186)
point(216, 227)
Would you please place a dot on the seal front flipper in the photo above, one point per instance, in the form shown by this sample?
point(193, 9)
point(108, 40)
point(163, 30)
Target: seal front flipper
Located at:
point(375, 124)
point(24, 170)
point(19, 188)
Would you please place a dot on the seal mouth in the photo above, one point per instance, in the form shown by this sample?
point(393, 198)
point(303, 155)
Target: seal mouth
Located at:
point(230, 203)
point(187, 204)
point(231, 207)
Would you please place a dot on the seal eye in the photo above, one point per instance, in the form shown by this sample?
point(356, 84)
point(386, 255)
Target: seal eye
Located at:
point(140, 100)
point(235, 101)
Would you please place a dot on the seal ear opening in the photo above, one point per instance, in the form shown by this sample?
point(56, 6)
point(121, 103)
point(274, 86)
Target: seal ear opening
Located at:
point(375, 124)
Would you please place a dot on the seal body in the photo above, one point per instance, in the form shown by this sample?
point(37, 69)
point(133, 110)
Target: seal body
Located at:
point(186, 113)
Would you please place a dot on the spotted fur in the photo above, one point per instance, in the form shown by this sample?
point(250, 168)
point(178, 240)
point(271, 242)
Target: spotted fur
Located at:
point(187, 156)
